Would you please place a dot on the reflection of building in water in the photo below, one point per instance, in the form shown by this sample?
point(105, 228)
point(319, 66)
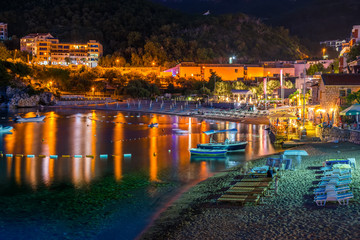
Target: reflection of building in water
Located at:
point(18, 170)
point(154, 132)
point(118, 149)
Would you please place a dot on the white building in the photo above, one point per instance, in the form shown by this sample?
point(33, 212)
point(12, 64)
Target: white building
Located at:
point(3, 31)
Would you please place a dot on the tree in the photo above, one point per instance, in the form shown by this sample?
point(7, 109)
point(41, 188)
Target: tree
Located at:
point(354, 53)
point(212, 80)
point(239, 85)
point(354, 96)
point(4, 53)
point(315, 68)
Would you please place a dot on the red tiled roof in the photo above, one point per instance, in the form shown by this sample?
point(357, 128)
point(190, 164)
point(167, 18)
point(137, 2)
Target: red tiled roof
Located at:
point(341, 79)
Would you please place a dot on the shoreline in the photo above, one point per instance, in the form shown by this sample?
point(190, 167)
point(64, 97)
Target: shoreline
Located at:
point(290, 214)
point(260, 120)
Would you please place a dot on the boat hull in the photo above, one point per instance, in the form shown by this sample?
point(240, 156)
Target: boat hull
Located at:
point(34, 119)
point(207, 153)
point(231, 147)
point(5, 129)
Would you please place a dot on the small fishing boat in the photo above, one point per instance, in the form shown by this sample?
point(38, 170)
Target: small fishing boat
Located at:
point(151, 125)
point(38, 118)
point(207, 152)
point(229, 146)
point(5, 129)
point(180, 131)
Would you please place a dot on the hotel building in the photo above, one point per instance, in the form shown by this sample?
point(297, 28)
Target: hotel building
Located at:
point(47, 50)
point(3, 31)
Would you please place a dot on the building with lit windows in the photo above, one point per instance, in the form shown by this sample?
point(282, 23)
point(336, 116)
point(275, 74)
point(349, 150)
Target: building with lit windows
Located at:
point(228, 72)
point(346, 47)
point(47, 50)
point(3, 31)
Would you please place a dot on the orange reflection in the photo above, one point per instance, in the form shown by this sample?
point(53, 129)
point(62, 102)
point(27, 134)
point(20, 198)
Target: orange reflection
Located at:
point(9, 166)
point(118, 149)
point(152, 154)
point(203, 173)
point(49, 133)
point(93, 142)
point(18, 170)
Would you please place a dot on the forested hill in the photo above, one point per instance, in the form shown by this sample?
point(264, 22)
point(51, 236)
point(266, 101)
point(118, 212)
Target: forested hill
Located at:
point(143, 32)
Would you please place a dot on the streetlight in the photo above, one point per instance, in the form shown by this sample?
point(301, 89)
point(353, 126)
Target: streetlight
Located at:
point(153, 63)
point(93, 90)
point(231, 59)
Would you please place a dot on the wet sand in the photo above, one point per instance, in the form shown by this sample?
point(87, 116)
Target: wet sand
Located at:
point(291, 214)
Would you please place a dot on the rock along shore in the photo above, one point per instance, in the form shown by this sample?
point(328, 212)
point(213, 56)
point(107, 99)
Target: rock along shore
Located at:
point(291, 214)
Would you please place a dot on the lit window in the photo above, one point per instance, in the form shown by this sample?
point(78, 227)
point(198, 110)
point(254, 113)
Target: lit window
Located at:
point(342, 93)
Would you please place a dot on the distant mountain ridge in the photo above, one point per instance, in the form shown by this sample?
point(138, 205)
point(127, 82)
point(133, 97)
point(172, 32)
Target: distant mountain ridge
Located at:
point(311, 20)
point(144, 32)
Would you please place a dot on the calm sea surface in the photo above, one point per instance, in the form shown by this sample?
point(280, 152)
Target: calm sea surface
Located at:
point(158, 152)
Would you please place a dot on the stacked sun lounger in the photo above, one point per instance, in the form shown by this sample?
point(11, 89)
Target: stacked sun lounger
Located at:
point(334, 185)
point(249, 189)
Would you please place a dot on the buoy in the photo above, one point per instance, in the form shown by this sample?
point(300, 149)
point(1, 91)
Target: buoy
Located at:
point(154, 154)
point(65, 156)
point(90, 156)
point(19, 155)
point(103, 156)
point(42, 156)
point(8, 155)
point(53, 156)
point(77, 156)
point(30, 156)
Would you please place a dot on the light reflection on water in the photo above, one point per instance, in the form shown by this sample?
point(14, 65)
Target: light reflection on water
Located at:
point(163, 155)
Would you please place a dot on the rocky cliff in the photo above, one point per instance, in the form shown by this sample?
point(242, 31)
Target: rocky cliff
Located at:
point(15, 97)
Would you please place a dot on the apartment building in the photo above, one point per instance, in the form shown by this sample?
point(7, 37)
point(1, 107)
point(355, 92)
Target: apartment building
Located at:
point(346, 47)
point(48, 50)
point(3, 31)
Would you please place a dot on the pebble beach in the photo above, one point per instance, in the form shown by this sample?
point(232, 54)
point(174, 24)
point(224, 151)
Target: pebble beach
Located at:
point(291, 214)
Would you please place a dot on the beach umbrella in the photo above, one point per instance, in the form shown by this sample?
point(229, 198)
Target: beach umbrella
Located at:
point(353, 110)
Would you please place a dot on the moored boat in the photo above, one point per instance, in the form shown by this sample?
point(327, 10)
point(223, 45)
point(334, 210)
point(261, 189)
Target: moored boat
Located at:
point(5, 129)
point(31, 119)
point(229, 146)
point(151, 125)
point(180, 131)
point(207, 152)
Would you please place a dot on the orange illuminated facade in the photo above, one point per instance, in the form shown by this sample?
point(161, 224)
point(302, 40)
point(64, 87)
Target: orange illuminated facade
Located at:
point(227, 72)
point(47, 50)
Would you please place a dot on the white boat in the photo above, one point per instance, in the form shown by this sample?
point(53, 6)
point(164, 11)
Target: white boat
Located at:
point(208, 152)
point(32, 119)
point(230, 146)
point(5, 129)
point(180, 131)
point(151, 125)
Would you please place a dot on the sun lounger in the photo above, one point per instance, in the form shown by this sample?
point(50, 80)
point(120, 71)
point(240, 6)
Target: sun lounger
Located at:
point(334, 182)
point(344, 198)
point(241, 191)
point(338, 171)
point(257, 179)
point(320, 191)
point(252, 184)
point(242, 199)
point(336, 176)
point(320, 200)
